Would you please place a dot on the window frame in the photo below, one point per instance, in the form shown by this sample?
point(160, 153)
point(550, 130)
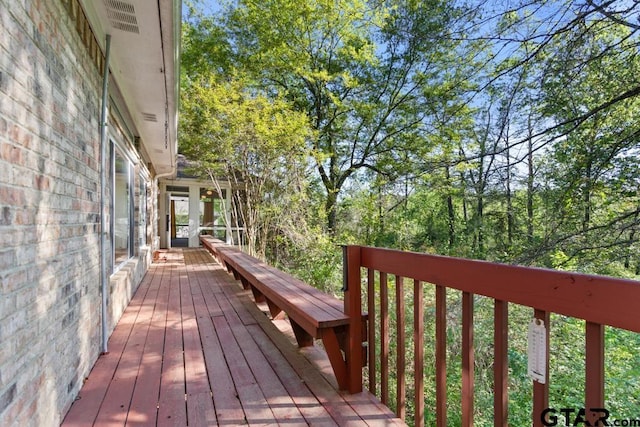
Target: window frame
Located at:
point(143, 224)
point(118, 151)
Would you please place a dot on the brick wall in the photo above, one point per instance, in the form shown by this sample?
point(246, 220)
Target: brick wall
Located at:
point(50, 215)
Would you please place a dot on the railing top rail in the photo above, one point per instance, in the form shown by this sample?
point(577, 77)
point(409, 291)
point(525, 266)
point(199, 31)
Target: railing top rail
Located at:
point(598, 299)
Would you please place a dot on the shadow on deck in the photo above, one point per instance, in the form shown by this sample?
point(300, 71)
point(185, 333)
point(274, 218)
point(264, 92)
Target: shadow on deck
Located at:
point(193, 349)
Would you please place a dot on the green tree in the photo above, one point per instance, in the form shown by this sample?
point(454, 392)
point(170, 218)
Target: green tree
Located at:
point(357, 69)
point(254, 142)
point(590, 170)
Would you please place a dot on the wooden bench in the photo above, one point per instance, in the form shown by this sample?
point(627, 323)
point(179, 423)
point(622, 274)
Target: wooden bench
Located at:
point(312, 313)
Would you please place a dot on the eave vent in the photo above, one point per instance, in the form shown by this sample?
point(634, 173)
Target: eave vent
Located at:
point(122, 16)
point(149, 117)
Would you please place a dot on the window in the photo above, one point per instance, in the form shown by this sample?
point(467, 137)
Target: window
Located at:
point(143, 211)
point(122, 218)
point(212, 219)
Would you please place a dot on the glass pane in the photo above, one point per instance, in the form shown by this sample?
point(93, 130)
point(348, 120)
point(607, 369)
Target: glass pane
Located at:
point(211, 220)
point(181, 217)
point(143, 212)
point(121, 208)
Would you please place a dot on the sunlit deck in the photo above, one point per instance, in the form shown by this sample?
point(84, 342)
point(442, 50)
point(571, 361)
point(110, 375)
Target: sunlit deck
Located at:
point(193, 349)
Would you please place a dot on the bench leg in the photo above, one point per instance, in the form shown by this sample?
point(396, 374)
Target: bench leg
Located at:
point(257, 295)
point(275, 311)
point(245, 283)
point(339, 365)
point(303, 337)
point(231, 270)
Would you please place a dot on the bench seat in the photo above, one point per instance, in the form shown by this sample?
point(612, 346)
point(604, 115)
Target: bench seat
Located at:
point(312, 313)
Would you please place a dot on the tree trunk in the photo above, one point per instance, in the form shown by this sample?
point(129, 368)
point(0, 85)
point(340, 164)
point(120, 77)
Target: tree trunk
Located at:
point(480, 225)
point(330, 208)
point(480, 187)
point(450, 210)
point(632, 238)
point(586, 219)
point(465, 213)
point(530, 188)
point(510, 219)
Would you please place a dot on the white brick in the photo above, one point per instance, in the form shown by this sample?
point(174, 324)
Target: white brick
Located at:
point(49, 203)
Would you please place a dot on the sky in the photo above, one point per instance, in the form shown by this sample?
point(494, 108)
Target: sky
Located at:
point(209, 7)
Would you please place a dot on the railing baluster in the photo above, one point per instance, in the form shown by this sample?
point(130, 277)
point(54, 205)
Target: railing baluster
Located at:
point(441, 356)
point(500, 363)
point(594, 366)
point(401, 392)
point(467, 359)
point(384, 339)
point(604, 302)
point(371, 309)
point(418, 343)
point(541, 391)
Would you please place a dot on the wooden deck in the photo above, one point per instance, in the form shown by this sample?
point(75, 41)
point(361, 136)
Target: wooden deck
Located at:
point(193, 349)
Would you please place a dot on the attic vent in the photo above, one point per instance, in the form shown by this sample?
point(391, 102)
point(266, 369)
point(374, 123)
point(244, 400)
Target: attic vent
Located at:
point(149, 117)
point(122, 16)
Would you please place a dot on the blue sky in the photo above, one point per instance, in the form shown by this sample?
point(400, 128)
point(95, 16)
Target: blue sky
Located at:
point(209, 7)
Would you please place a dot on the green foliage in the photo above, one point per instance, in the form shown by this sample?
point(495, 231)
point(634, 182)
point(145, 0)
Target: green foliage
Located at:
point(251, 141)
point(360, 71)
point(317, 262)
point(492, 130)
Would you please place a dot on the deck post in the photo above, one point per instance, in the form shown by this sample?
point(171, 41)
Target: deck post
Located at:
point(353, 309)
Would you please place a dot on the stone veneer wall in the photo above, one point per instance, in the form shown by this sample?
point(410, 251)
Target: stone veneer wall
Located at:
point(50, 296)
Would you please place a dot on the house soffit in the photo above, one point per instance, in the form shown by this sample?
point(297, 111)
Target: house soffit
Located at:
point(144, 61)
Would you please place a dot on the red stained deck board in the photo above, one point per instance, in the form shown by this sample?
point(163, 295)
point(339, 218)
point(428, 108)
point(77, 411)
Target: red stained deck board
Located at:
point(304, 399)
point(144, 402)
point(249, 392)
point(227, 404)
point(217, 281)
point(94, 390)
point(275, 393)
point(200, 409)
point(226, 399)
point(115, 407)
point(171, 406)
point(323, 392)
point(193, 349)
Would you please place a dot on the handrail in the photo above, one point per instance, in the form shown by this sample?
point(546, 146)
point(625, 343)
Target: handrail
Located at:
point(598, 300)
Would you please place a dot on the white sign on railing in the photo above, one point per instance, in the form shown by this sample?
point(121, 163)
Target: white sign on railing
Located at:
point(537, 351)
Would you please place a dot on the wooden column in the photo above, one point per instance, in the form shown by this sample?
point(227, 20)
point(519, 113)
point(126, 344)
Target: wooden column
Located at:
point(353, 309)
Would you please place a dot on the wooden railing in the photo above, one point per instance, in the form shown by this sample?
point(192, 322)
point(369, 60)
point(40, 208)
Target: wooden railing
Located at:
point(376, 282)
